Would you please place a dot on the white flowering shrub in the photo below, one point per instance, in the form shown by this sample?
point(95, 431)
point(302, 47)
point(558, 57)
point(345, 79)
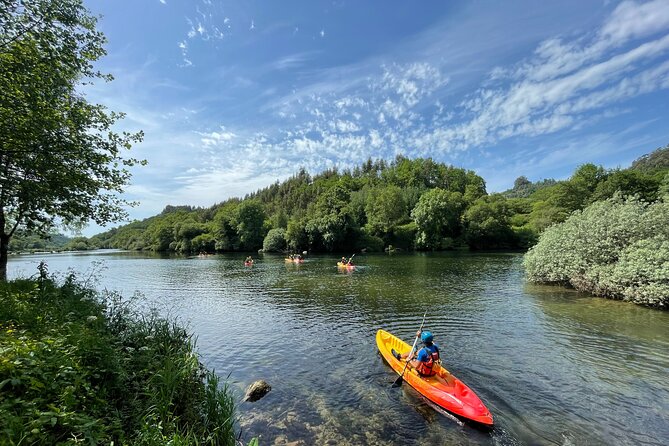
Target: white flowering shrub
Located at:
point(617, 248)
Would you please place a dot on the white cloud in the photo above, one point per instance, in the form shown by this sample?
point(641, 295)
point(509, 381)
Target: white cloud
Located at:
point(632, 20)
point(213, 139)
point(566, 80)
point(344, 126)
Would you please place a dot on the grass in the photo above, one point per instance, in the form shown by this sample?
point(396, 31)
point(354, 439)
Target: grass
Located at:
point(77, 367)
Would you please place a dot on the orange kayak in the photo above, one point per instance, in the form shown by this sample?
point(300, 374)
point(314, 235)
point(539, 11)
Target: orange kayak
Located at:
point(345, 265)
point(443, 389)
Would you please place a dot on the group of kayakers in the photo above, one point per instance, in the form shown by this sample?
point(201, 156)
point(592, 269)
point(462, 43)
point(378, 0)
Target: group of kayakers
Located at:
point(427, 375)
point(300, 258)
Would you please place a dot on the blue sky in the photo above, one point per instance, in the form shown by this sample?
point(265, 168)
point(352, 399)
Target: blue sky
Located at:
point(234, 95)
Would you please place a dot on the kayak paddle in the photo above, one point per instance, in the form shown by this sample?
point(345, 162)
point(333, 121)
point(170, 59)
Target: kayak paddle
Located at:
point(398, 381)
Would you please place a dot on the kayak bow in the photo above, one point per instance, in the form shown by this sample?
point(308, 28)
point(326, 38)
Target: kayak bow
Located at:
point(443, 389)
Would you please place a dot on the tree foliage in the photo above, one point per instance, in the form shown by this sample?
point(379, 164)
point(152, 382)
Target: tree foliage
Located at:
point(617, 248)
point(437, 217)
point(275, 241)
point(59, 156)
point(487, 223)
point(407, 203)
point(654, 161)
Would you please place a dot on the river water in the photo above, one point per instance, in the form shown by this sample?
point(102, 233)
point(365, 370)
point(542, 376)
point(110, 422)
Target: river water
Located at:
point(554, 367)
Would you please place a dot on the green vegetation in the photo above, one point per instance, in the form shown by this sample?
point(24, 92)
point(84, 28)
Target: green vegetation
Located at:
point(407, 204)
point(33, 242)
point(617, 248)
point(76, 368)
point(59, 156)
point(654, 161)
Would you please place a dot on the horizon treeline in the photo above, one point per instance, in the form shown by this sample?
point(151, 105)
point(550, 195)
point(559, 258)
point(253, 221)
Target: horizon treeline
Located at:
point(407, 203)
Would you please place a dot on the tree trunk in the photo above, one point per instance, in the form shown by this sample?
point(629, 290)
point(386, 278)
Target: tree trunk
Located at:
point(4, 248)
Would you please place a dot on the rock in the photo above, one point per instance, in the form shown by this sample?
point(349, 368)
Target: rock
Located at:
point(257, 390)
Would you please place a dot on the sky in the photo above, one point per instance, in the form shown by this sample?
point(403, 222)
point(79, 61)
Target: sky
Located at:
point(235, 95)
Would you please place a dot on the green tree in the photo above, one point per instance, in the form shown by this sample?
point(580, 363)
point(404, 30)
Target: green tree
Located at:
point(663, 190)
point(437, 216)
point(59, 157)
point(275, 241)
point(225, 227)
point(250, 224)
point(385, 210)
point(628, 182)
point(331, 219)
point(296, 234)
point(487, 223)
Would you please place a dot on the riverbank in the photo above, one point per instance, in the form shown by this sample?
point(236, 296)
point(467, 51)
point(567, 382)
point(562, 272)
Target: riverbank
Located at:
point(81, 366)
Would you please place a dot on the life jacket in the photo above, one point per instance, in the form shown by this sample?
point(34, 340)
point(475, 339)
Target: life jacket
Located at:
point(427, 368)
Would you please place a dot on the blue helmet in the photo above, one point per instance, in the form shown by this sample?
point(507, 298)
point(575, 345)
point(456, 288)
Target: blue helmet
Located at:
point(426, 336)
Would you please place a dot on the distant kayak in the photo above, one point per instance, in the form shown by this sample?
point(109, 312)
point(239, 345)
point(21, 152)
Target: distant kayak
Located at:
point(443, 389)
point(294, 260)
point(248, 263)
point(345, 265)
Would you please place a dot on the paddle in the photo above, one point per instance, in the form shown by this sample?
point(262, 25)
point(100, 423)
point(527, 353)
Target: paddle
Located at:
point(398, 381)
point(350, 258)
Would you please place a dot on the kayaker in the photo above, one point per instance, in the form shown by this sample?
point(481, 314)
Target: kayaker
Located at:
point(249, 259)
point(426, 357)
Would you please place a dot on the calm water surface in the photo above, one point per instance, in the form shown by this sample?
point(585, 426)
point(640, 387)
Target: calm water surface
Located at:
point(553, 366)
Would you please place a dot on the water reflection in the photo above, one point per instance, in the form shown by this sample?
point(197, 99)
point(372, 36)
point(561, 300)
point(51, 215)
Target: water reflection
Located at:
point(553, 366)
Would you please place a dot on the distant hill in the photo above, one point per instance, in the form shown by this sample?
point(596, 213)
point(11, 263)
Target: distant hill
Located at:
point(523, 188)
point(32, 243)
point(407, 204)
point(650, 163)
point(656, 160)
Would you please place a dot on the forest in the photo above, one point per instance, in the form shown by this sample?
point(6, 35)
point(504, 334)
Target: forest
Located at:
point(406, 204)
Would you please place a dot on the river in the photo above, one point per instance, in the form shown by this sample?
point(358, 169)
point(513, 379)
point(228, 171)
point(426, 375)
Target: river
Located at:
point(554, 367)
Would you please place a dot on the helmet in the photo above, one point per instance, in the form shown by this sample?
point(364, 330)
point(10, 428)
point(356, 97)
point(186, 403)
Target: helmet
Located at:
point(426, 336)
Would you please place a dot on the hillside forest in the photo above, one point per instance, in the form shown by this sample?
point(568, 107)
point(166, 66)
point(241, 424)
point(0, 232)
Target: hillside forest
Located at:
point(407, 204)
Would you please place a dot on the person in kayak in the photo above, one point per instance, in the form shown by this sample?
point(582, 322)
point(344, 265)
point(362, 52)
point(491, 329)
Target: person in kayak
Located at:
point(425, 359)
point(249, 259)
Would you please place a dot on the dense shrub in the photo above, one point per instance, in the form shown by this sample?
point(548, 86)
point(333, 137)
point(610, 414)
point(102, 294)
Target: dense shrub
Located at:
point(368, 242)
point(75, 369)
point(618, 248)
point(275, 241)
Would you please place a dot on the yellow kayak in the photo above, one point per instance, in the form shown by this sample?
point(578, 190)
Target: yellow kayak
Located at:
point(443, 389)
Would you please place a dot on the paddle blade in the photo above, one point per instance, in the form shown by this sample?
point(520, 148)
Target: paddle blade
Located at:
point(398, 382)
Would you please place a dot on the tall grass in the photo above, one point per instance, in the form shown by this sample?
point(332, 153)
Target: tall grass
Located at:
point(76, 367)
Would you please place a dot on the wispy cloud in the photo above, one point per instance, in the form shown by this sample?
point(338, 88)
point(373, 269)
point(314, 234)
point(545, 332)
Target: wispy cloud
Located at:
point(445, 92)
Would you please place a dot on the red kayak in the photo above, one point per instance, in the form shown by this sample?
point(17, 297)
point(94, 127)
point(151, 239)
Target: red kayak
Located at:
point(443, 389)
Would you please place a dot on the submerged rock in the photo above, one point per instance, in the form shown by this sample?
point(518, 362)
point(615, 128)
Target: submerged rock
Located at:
point(257, 390)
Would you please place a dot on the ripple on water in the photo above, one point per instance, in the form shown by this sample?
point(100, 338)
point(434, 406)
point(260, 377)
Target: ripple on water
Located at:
point(553, 366)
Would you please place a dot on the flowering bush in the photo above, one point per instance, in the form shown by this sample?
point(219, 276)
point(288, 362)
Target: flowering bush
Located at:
point(617, 248)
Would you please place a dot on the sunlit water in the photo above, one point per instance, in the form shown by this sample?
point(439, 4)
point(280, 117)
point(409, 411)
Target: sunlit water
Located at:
point(553, 366)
